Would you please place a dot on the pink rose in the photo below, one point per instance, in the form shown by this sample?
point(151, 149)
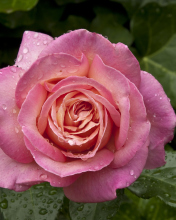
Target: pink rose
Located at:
point(79, 113)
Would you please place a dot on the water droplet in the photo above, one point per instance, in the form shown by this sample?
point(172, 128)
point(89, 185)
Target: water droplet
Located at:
point(53, 192)
point(71, 142)
point(43, 176)
point(80, 208)
point(38, 43)
point(4, 204)
point(127, 184)
point(26, 32)
point(154, 116)
point(16, 130)
point(14, 111)
point(167, 195)
point(20, 57)
point(13, 69)
point(43, 212)
point(160, 97)
point(63, 66)
point(0, 73)
point(45, 42)
point(131, 172)
point(135, 176)
point(35, 35)
point(4, 106)
point(25, 50)
point(40, 77)
point(72, 70)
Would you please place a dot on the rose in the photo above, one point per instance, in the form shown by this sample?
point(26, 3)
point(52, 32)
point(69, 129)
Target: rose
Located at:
point(79, 113)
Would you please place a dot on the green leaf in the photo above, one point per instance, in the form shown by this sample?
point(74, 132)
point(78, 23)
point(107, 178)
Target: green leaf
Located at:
point(94, 211)
point(62, 2)
point(107, 25)
point(71, 23)
point(18, 18)
point(8, 6)
point(135, 208)
point(152, 26)
point(130, 5)
point(160, 182)
point(38, 203)
point(163, 66)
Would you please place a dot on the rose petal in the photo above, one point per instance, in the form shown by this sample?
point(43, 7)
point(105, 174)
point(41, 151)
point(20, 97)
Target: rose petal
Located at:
point(138, 129)
point(11, 137)
point(161, 116)
point(99, 161)
point(118, 85)
point(82, 41)
point(20, 177)
point(27, 119)
point(101, 186)
point(53, 66)
point(31, 46)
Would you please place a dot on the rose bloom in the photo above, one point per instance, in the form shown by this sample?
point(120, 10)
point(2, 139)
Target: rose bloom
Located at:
point(77, 112)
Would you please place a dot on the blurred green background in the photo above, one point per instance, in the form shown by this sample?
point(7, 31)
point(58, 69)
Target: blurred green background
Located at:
point(148, 27)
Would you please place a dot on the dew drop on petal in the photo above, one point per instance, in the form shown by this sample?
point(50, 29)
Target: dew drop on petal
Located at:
point(20, 58)
point(25, 50)
point(72, 70)
point(16, 130)
point(45, 42)
point(14, 111)
point(4, 106)
point(43, 176)
point(71, 142)
point(13, 69)
point(131, 172)
point(0, 73)
point(35, 35)
point(38, 43)
point(63, 66)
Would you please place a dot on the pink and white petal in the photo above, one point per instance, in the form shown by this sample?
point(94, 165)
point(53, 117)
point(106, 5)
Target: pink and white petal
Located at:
point(161, 116)
point(119, 87)
point(82, 41)
point(20, 177)
point(115, 115)
point(31, 46)
point(27, 118)
point(101, 186)
point(85, 83)
point(102, 159)
point(11, 136)
point(138, 129)
point(53, 66)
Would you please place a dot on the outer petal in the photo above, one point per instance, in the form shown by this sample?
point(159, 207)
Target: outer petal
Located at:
point(83, 41)
point(161, 116)
point(52, 67)
point(102, 159)
point(11, 137)
point(27, 118)
point(101, 186)
point(20, 177)
point(119, 87)
point(138, 129)
point(31, 46)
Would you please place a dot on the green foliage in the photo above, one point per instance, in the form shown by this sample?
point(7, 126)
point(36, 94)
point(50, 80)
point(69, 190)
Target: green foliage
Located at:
point(38, 203)
point(160, 182)
point(9, 6)
point(135, 208)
